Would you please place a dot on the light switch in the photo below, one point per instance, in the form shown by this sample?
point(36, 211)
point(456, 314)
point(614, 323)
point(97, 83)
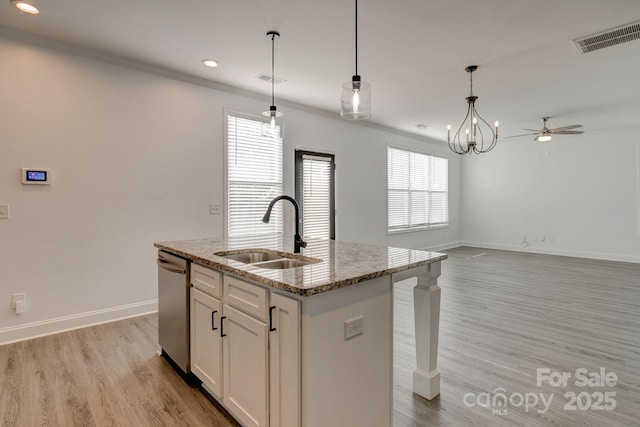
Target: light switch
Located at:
point(4, 211)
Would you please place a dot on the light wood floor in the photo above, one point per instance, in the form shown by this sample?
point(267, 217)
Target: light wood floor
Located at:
point(506, 314)
point(503, 315)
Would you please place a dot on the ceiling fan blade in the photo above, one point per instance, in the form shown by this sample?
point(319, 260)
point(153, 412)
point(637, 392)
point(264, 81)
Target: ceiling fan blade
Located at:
point(566, 132)
point(532, 130)
point(524, 134)
point(565, 128)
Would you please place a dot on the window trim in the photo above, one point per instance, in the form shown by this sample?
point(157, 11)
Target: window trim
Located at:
point(411, 229)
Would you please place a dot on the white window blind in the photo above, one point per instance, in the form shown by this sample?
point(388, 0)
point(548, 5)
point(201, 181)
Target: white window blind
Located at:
point(254, 178)
point(417, 193)
point(316, 196)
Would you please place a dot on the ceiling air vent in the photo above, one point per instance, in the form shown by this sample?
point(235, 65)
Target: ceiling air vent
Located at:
point(609, 38)
point(267, 78)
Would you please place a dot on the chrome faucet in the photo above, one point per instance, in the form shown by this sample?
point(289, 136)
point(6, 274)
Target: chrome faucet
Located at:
point(298, 242)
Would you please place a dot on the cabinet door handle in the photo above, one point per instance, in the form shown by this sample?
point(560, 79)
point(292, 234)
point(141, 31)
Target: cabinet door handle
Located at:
point(271, 328)
point(213, 320)
point(222, 334)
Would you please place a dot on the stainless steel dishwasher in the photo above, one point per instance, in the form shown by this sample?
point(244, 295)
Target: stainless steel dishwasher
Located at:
point(173, 309)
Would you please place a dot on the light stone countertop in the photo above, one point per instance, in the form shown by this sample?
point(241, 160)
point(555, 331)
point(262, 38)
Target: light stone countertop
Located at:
point(342, 264)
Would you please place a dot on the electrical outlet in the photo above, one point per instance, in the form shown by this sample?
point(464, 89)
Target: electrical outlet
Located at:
point(4, 211)
point(214, 209)
point(18, 302)
point(353, 327)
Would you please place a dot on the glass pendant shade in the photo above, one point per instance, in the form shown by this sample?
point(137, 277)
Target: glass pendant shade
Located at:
point(271, 128)
point(356, 100)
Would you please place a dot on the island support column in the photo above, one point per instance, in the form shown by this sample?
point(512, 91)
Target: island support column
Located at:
point(426, 302)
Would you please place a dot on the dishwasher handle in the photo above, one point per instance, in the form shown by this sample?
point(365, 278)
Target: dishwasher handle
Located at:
point(170, 267)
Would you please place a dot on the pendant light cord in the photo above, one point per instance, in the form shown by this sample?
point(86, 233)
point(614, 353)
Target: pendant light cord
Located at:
point(273, 77)
point(471, 82)
point(356, 37)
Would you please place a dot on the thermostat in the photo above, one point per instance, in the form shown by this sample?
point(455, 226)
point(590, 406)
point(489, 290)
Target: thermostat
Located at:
point(36, 176)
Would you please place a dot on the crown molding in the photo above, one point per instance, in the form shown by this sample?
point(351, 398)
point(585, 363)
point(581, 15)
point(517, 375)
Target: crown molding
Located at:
point(133, 64)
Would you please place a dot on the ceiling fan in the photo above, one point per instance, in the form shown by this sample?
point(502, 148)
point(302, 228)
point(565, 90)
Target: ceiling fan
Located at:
point(545, 133)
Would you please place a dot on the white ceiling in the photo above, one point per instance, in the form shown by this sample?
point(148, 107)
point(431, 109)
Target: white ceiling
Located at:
point(413, 52)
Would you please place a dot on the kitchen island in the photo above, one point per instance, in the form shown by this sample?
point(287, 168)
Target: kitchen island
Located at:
point(326, 328)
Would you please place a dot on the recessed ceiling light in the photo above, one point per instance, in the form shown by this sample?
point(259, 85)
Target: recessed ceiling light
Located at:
point(211, 63)
point(25, 7)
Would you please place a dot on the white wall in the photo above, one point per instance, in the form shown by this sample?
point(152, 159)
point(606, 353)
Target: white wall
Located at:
point(584, 191)
point(137, 158)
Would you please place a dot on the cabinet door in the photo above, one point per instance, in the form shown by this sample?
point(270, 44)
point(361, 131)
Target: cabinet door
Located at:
point(284, 361)
point(246, 373)
point(206, 343)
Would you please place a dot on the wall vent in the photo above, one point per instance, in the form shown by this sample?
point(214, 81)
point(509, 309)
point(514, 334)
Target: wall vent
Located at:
point(608, 38)
point(267, 78)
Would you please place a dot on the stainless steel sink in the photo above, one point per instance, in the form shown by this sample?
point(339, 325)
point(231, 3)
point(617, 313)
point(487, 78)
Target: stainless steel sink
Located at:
point(265, 258)
point(281, 264)
point(252, 257)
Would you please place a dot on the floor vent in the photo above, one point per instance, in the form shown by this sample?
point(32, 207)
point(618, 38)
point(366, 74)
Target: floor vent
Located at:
point(609, 38)
point(267, 78)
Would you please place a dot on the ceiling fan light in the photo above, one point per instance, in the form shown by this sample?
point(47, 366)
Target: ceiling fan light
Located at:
point(544, 138)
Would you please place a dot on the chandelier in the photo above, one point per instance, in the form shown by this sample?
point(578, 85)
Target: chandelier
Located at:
point(470, 136)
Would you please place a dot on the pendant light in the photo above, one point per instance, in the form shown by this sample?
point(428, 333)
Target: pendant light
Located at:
point(473, 140)
point(273, 113)
point(356, 94)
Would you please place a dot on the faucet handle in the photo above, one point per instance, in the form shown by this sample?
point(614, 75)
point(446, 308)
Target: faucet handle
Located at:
point(302, 243)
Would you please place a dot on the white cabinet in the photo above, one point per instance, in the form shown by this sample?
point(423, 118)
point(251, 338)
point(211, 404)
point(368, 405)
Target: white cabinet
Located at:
point(246, 372)
point(245, 348)
point(206, 342)
point(284, 362)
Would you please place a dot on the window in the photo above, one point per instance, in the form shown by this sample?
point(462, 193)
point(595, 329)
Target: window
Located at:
point(315, 194)
point(254, 178)
point(417, 190)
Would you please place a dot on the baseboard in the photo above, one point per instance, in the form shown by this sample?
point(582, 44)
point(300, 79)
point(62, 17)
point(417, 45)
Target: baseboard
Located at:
point(76, 321)
point(605, 256)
